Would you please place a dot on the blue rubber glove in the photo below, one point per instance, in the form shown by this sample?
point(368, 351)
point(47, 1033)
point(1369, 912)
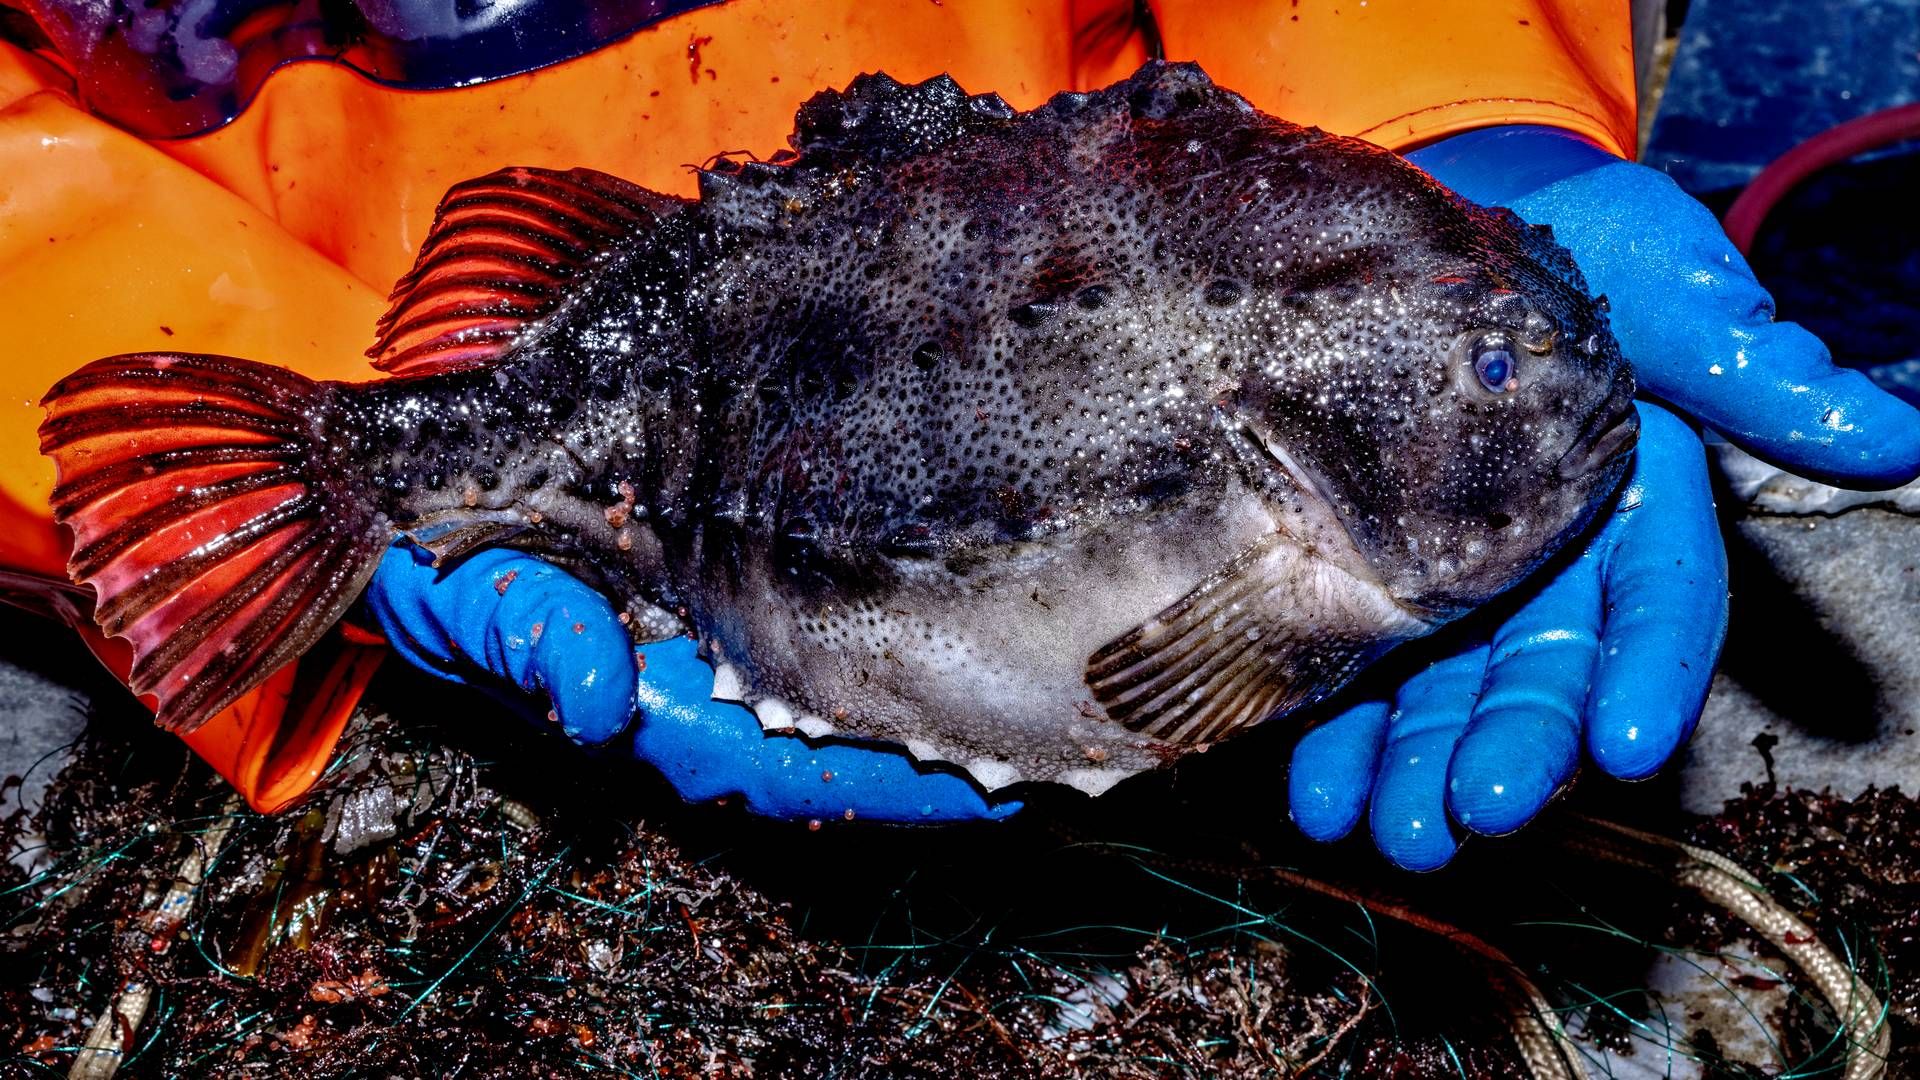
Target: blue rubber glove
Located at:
point(504, 620)
point(1689, 314)
point(1615, 650)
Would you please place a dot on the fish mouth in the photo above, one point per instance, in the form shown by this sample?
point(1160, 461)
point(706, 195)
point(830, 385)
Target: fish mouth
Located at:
point(1610, 433)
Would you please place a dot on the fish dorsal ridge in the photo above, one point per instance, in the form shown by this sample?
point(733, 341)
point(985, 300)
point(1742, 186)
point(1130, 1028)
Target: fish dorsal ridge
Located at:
point(879, 122)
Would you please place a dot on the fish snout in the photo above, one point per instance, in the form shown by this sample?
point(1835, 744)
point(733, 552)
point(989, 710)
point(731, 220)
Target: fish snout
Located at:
point(1610, 433)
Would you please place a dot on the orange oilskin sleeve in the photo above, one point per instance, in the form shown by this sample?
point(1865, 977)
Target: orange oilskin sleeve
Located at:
point(109, 246)
point(1403, 73)
point(355, 169)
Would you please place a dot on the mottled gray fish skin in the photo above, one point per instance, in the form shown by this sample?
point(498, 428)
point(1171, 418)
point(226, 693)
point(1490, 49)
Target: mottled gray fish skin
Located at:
point(1052, 444)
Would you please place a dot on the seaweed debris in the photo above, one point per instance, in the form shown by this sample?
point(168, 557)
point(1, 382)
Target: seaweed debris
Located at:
point(413, 920)
point(1850, 867)
point(463, 899)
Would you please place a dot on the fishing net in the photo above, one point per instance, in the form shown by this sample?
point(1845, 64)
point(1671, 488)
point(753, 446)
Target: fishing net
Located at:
point(463, 898)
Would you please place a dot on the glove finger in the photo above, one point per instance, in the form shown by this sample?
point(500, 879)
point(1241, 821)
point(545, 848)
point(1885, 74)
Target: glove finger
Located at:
point(1408, 814)
point(1523, 739)
point(516, 618)
point(1786, 402)
point(1666, 617)
point(550, 631)
point(708, 749)
point(1333, 769)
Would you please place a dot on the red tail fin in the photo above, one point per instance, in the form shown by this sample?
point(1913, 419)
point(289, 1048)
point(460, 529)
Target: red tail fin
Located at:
point(221, 529)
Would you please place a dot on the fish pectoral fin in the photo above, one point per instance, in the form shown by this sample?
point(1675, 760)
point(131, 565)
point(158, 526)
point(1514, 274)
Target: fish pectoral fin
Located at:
point(1275, 629)
point(505, 249)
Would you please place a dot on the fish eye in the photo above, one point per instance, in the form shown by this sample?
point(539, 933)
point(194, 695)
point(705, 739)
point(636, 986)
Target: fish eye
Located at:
point(1496, 363)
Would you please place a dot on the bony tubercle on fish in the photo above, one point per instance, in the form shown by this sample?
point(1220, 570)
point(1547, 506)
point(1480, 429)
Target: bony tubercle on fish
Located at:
point(1054, 444)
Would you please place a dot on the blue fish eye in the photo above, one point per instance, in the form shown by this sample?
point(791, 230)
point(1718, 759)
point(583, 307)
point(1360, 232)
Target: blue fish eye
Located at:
point(1495, 363)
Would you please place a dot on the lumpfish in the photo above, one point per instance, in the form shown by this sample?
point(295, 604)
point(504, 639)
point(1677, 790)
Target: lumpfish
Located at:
point(1051, 444)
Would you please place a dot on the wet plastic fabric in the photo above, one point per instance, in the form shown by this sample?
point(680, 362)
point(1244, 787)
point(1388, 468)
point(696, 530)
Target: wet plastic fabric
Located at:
point(1403, 73)
point(1396, 71)
point(354, 169)
point(165, 70)
point(275, 236)
point(107, 246)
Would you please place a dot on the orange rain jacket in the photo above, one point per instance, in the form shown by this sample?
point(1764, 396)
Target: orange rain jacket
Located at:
point(277, 236)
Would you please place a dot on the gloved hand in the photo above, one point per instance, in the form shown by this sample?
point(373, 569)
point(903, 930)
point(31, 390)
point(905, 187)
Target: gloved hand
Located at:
point(506, 620)
point(1618, 646)
point(1689, 314)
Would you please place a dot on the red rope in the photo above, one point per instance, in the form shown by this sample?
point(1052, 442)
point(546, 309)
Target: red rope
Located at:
point(1830, 147)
